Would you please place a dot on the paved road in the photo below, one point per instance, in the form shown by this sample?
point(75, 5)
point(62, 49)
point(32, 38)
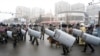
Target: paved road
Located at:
point(44, 49)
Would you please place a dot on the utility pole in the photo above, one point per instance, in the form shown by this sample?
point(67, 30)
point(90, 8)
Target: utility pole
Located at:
point(99, 19)
point(67, 18)
point(50, 16)
point(98, 29)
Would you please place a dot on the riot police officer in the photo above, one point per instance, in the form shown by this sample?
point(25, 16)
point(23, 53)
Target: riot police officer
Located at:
point(15, 37)
point(35, 38)
point(30, 26)
point(89, 31)
point(65, 49)
point(51, 27)
point(42, 32)
point(25, 28)
point(3, 34)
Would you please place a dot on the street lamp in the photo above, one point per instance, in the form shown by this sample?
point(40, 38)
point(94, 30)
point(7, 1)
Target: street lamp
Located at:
point(92, 3)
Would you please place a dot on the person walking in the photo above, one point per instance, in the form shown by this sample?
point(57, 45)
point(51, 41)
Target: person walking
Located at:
point(35, 38)
point(42, 32)
point(64, 48)
point(89, 31)
point(30, 26)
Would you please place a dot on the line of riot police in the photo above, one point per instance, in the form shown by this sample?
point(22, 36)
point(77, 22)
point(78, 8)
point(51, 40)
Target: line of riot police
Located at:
point(12, 32)
point(3, 34)
point(60, 35)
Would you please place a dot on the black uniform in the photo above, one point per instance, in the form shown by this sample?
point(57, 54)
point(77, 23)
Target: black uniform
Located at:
point(20, 36)
point(42, 32)
point(89, 30)
point(35, 38)
point(3, 34)
point(77, 37)
point(30, 35)
point(24, 36)
point(15, 37)
point(51, 27)
point(65, 49)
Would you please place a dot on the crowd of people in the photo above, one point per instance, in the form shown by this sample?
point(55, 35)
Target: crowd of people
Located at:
point(16, 33)
point(68, 29)
point(18, 36)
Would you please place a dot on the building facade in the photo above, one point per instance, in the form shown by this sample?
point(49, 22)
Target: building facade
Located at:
point(61, 6)
point(93, 12)
point(36, 12)
point(77, 17)
point(78, 7)
point(70, 15)
point(22, 12)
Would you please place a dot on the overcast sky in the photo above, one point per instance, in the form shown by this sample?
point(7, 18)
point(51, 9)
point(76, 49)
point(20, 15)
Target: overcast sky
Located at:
point(10, 5)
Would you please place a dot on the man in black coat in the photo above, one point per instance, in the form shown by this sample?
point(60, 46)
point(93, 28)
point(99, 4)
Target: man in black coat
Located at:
point(89, 31)
point(65, 49)
point(42, 32)
point(35, 38)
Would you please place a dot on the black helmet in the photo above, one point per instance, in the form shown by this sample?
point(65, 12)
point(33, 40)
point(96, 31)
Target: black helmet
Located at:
point(64, 25)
